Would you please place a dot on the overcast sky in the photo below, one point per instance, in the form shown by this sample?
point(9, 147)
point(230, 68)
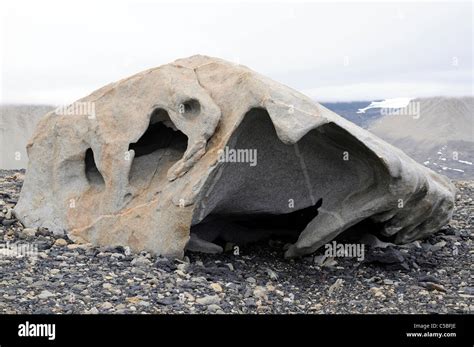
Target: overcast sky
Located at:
point(58, 51)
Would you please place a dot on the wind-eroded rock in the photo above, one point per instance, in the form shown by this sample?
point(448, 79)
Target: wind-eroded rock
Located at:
point(163, 153)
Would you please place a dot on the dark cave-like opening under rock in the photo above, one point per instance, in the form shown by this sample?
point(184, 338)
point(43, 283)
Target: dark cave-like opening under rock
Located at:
point(243, 229)
point(159, 134)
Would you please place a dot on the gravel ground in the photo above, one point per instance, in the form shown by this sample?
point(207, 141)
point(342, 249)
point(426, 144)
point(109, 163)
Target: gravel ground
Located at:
point(428, 276)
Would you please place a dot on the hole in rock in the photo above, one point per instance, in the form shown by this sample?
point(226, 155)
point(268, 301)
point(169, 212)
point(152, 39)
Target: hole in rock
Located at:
point(249, 201)
point(161, 133)
point(243, 229)
point(160, 146)
point(191, 106)
point(355, 233)
point(246, 202)
point(92, 172)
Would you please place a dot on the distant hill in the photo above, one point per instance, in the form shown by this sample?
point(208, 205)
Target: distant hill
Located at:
point(349, 110)
point(17, 123)
point(441, 136)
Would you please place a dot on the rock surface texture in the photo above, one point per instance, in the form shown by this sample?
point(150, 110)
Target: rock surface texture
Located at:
point(201, 142)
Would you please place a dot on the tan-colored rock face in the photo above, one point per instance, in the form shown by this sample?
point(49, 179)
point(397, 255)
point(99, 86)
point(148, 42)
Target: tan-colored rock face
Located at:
point(145, 166)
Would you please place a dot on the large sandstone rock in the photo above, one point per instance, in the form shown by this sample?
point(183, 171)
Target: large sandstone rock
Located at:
point(150, 165)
